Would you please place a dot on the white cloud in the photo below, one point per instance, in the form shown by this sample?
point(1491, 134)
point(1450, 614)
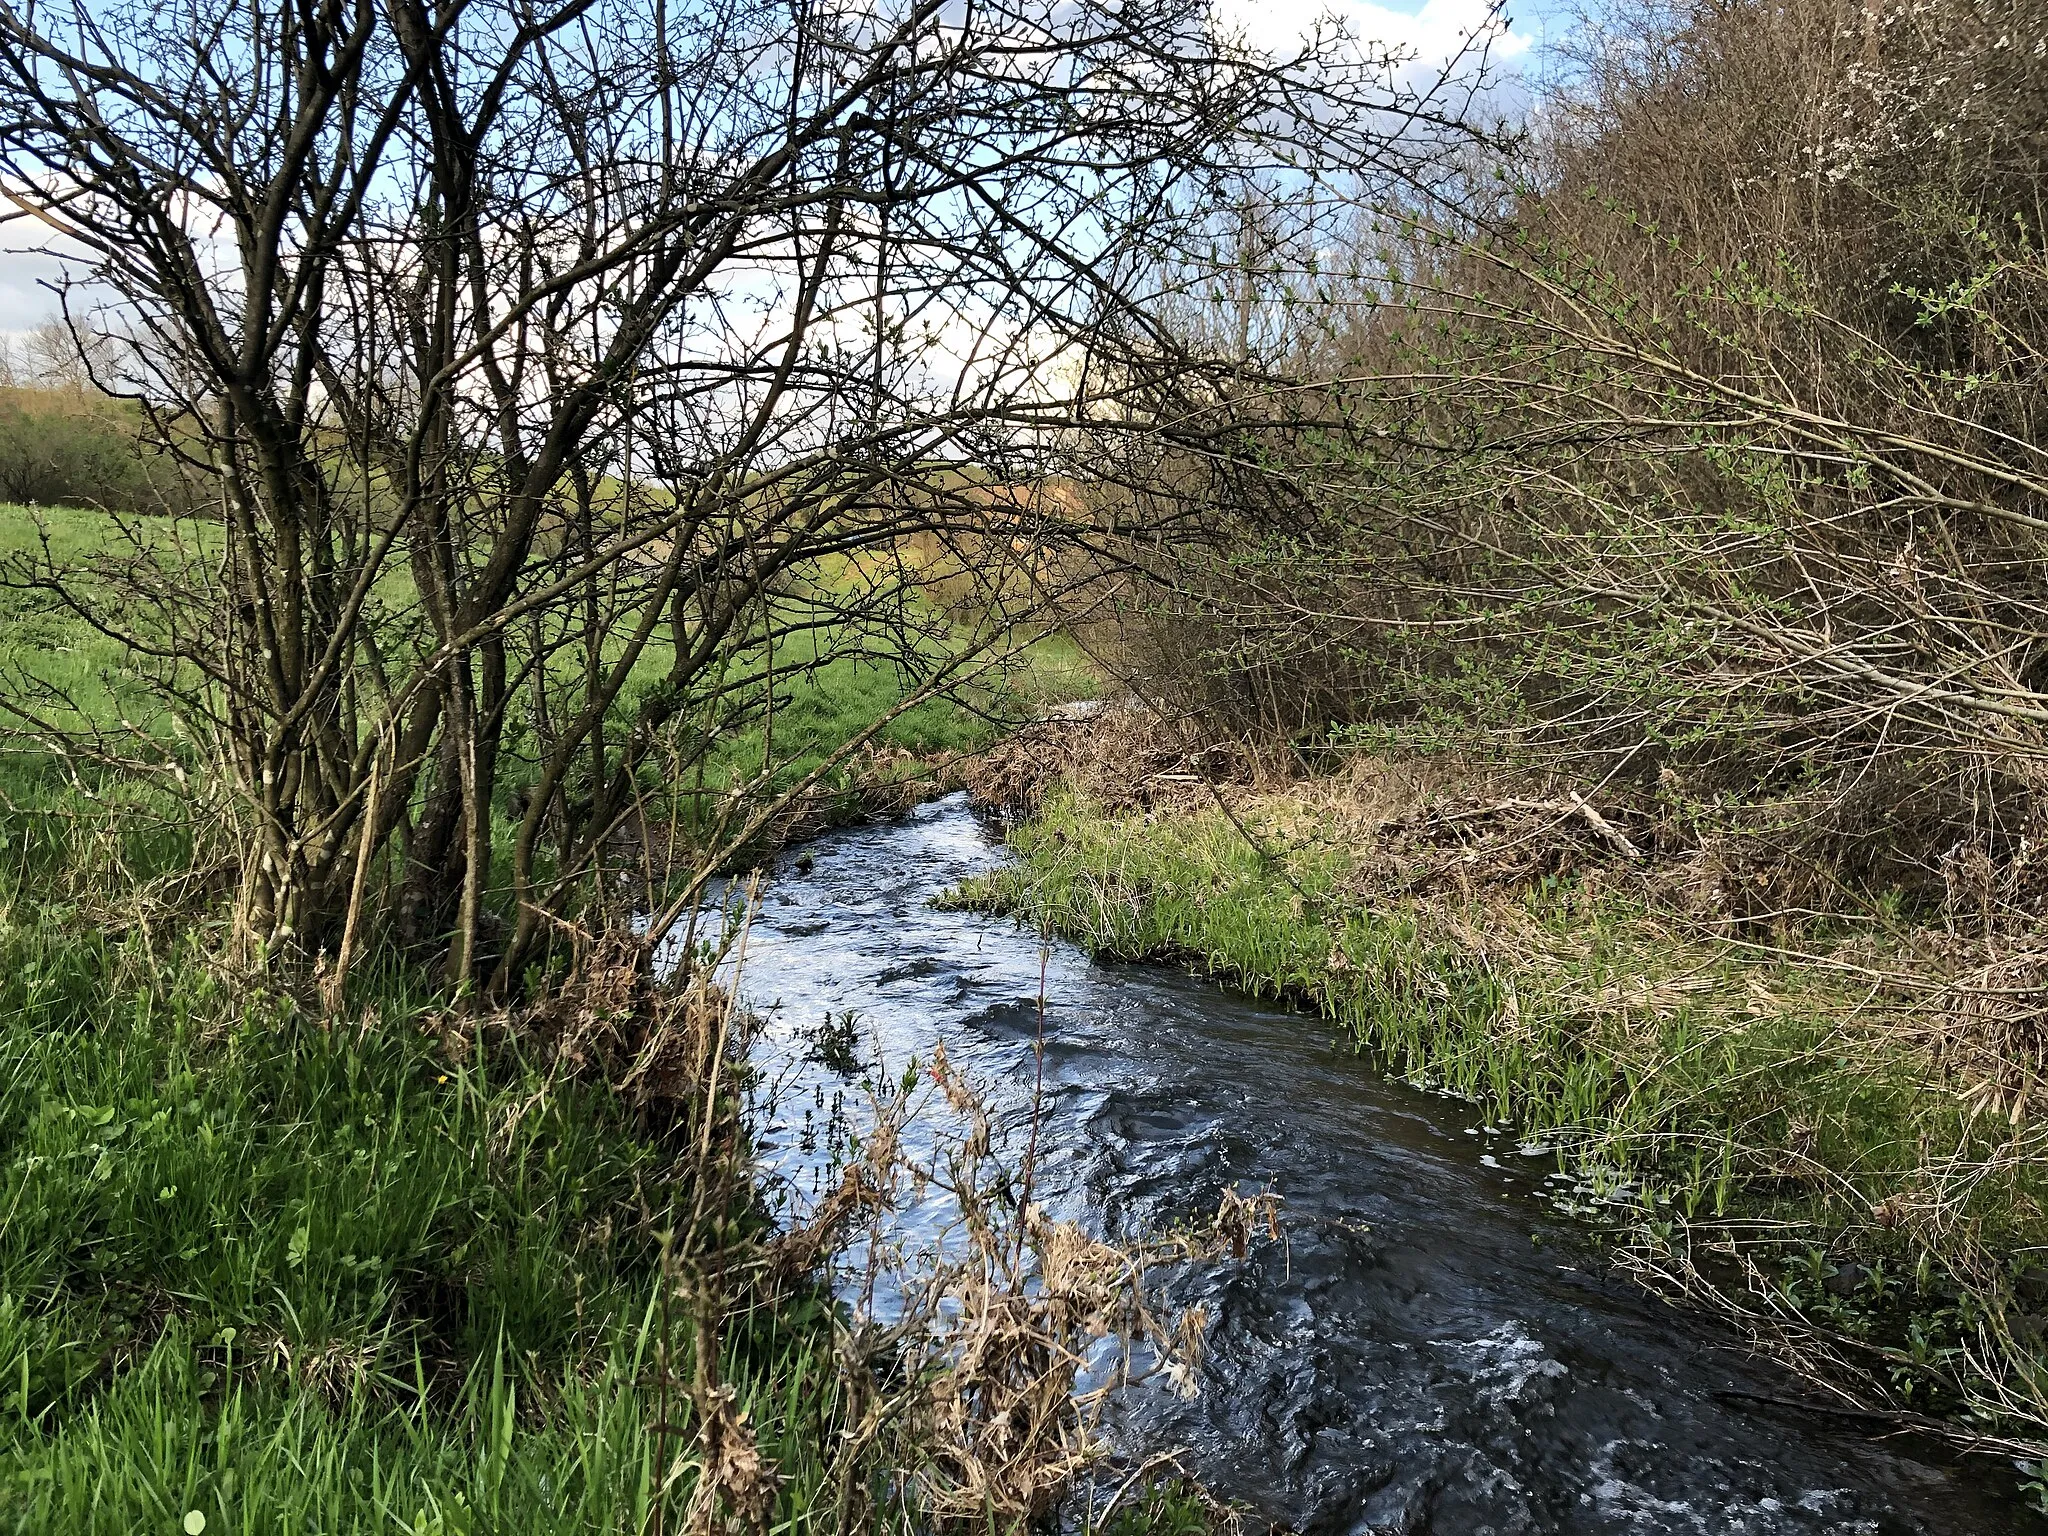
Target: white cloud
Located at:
point(24, 302)
point(35, 262)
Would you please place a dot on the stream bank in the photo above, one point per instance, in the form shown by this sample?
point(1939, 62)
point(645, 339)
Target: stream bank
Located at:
point(1768, 1124)
point(1430, 1348)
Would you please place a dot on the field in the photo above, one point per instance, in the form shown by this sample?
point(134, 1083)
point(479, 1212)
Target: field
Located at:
point(823, 707)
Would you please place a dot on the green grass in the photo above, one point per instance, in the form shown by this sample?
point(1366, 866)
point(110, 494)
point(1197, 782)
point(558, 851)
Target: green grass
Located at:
point(821, 704)
point(831, 705)
point(1695, 1091)
point(298, 1280)
point(294, 1279)
point(41, 645)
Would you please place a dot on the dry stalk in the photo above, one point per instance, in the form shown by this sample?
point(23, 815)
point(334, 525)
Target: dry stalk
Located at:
point(1007, 1339)
point(971, 1379)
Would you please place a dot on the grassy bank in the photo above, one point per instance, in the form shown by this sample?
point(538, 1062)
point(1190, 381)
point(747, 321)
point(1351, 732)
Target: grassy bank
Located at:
point(370, 1272)
point(338, 1278)
point(1774, 1125)
point(390, 1268)
point(267, 1265)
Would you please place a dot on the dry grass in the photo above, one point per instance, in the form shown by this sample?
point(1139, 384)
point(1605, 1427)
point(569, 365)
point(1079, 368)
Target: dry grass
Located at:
point(1123, 756)
point(1010, 1334)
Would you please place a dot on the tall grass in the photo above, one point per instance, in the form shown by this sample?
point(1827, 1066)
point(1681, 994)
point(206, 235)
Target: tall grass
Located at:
point(390, 1268)
point(296, 1274)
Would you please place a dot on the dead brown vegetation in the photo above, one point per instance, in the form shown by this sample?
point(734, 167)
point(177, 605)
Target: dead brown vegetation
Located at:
point(972, 1377)
point(1460, 844)
point(1122, 755)
point(1704, 466)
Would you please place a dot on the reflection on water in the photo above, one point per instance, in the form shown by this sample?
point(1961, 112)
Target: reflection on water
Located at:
point(1408, 1360)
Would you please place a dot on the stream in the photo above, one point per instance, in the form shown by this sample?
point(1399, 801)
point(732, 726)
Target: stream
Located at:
point(1432, 1348)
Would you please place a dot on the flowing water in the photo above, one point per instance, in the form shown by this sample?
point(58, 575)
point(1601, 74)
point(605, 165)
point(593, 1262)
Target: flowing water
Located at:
point(1409, 1359)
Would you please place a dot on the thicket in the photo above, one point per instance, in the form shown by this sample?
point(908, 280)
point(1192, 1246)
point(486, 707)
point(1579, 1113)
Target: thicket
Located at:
point(1673, 501)
point(1698, 457)
point(65, 446)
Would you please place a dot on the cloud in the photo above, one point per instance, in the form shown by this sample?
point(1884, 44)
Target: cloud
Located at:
point(24, 302)
point(35, 261)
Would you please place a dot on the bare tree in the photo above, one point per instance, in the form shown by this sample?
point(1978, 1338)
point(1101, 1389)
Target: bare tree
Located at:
point(567, 374)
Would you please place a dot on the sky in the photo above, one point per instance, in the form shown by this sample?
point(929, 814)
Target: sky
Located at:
point(24, 303)
point(1431, 29)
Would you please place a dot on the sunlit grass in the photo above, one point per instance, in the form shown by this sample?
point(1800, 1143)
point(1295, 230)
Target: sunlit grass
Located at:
point(41, 644)
point(301, 1277)
point(820, 704)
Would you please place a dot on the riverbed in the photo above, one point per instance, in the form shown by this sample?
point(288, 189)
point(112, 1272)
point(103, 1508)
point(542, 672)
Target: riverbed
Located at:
point(1430, 1348)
